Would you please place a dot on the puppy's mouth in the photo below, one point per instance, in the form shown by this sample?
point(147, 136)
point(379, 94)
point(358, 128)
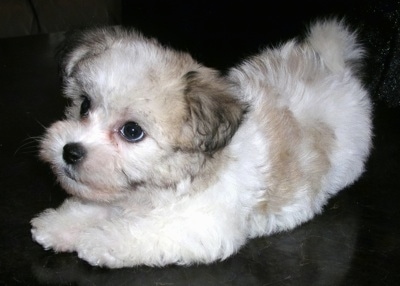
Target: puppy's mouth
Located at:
point(72, 175)
point(132, 184)
point(69, 174)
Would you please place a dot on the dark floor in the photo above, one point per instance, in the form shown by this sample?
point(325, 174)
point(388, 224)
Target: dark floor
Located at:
point(356, 241)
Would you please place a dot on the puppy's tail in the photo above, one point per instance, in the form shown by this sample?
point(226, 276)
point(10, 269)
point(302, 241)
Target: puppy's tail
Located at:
point(335, 43)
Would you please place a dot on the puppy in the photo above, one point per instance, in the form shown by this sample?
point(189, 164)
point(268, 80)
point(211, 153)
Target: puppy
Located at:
point(168, 162)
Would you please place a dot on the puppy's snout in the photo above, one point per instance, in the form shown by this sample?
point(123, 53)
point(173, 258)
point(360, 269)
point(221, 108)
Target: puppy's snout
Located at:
point(73, 153)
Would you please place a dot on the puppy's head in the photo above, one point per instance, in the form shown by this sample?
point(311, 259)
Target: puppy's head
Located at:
point(142, 117)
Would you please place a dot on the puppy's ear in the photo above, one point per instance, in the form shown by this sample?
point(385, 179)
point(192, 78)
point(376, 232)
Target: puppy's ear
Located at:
point(72, 50)
point(84, 44)
point(214, 114)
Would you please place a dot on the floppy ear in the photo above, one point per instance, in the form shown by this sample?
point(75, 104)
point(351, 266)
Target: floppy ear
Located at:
point(86, 43)
point(78, 45)
point(214, 114)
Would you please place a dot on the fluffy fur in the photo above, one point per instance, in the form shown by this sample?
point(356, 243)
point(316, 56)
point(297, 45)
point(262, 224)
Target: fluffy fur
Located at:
point(221, 159)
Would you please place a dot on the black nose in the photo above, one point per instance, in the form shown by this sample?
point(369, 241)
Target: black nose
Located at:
point(73, 152)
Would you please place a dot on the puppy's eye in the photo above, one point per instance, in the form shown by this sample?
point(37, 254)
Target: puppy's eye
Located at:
point(85, 106)
point(132, 132)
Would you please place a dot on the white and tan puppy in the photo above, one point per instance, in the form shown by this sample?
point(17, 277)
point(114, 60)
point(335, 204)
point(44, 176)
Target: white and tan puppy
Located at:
point(167, 161)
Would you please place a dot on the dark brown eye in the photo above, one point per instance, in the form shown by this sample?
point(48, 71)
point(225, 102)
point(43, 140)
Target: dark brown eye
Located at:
point(132, 132)
point(85, 106)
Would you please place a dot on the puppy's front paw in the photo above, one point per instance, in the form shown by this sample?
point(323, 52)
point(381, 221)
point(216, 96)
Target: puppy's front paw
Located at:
point(100, 256)
point(51, 230)
point(100, 247)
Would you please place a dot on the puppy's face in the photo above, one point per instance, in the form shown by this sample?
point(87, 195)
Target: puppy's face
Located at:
point(142, 117)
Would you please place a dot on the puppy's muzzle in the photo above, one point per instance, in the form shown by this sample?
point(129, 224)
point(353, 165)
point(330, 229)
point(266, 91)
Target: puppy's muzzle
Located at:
point(73, 153)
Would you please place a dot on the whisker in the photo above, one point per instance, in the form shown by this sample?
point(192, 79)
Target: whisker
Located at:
point(38, 122)
point(29, 145)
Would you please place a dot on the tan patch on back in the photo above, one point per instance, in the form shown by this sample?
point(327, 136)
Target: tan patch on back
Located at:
point(298, 156)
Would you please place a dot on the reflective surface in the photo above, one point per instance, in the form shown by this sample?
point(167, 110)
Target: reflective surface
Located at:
point(356, 241)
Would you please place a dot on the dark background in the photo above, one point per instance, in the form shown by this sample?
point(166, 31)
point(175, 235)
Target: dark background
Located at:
point(354, 242)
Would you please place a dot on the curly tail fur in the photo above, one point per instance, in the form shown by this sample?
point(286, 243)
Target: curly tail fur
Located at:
point(336, 45)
